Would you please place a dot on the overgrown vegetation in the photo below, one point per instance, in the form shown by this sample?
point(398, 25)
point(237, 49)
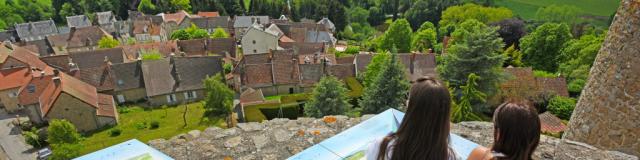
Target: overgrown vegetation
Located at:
point(329, 97)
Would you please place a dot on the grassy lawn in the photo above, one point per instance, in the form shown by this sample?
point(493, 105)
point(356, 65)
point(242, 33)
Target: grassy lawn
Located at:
point(601, 9)
point(135, 124)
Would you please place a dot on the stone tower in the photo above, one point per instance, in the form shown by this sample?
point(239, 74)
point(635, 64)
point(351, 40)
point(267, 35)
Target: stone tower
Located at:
point(608, 112)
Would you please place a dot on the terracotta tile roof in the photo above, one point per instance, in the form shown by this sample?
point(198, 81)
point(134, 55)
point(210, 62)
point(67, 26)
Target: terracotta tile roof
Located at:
point(76, 88)
point(212, 22)
point(285, 67)
point(60, 62)
point(555, 85)
point(146, 26)
point(85, 36)
point(222, 46)
point(13, 78)
point(58, 40)
point(342, 70)
point(286, 39)
point(157, 77)
point(251, 95)
point(208, 14)
point(175, 17)
point(30, 93)
point(106, 106)
point(165, 48)
point(127, 76)
point(303, 48)
point(24, 56)
point(94, 67)
point(257, 58)
point(346, 60)
point(551, 124)
point(256, 75)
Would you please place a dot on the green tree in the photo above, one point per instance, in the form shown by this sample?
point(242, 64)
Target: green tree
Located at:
point(192, 32)
point(329, 97)
point(398, 35)
point(475, 49)
point(152, 54)
point(541, 48)
point(558, 14)
point(374, 68)
point(576, 59)
point(463, 111)
point(418, 14)
point(376, 16)
point(177, 5)
point(219, 98)
point(425, 38)
point(337, 14)
point(358, 15)
point(108, 42)
point(219, 33)
point(513, 57)
point(388, 90)
point(147, 7)
point(62, 131)
point(562, 106)
point(458, 14)
point(65, 151)
point(33, 138)
point(69, 10)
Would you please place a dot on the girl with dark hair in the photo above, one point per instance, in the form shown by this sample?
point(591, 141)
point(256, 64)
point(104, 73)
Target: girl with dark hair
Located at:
point(516, 134)
point(424, 131)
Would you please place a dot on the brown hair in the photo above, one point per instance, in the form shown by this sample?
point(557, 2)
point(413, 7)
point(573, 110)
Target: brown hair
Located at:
point(424, 131)
point(516, 131)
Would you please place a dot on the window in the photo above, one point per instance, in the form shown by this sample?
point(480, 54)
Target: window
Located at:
point(171, 98)
point(120, 98)
point(255, 51)
point(254, 42)
point(31, 88)
point(190, 95)
point(13, 94)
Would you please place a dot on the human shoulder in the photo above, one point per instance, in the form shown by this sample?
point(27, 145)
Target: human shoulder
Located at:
point(479, 153)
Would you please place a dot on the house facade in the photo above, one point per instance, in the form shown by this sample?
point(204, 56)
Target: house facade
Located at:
point(129, 83)
point(257, 41)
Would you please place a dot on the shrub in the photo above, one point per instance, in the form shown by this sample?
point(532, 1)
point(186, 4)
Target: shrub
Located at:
point(115, 132)
point(33, 138)
point(562, 106)
point(141, 125)
point(352, 50)
point(154, 124)
point(543, 74)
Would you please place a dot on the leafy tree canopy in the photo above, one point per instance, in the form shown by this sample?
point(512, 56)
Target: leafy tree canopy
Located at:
point(458, 14)
point(219, 98)
point(470, 93)
point(219, 33)
point(108, 42)
point(558, 14)
point(62, 131)
point(329, 98)
point(541, 48)
point(398, 35)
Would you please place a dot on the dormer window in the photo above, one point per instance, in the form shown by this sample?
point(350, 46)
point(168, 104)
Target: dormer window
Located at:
point(31, 88)
point(120, 82)
point(254, 41)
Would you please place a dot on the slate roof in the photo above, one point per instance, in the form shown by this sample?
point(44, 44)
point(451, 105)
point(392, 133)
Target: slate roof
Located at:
point(192, 70)
point(165, 48)
point(320, 36)
point(58, 40)
point(93, 69)
point(36, 29)
point(327, 23)
point(86, 36)
point(157, 77)
point(78, 21)
point(208, 14)
point(273, 29)
point(105, 17)
point(194, 47)
point(183, 74)
point(127, 76)
point(212, 22)
point(9, 35)
point(247, 21)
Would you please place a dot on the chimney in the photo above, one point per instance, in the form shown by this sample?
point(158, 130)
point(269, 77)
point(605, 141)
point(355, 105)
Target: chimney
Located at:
point(72, 31)
point(73, 67)
point(56, 72)
point(56, 80)
point(41, 73)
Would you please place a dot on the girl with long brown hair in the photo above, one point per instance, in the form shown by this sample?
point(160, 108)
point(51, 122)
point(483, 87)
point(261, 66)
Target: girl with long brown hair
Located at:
point(424, 131)
point(516, 134)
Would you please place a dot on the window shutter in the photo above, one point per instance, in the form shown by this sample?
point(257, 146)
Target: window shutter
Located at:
point(186, 95)
point(194, 94)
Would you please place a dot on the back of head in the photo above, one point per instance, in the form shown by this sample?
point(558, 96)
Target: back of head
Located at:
point(424, 132)
point(516, 131)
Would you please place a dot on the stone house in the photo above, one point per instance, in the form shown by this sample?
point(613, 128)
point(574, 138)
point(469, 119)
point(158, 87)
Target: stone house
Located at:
point(176, 21)
point(12, 81)
point(66, 97)
point(108, 22)
point(150, 29)
point(129, 83)
point(178, 80)
point(85, 39)
point(242, 24)
point(78, 21)
point(257, 41)
point(33, 31)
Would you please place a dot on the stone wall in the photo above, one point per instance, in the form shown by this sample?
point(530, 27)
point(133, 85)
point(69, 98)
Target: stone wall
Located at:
point(608, 112)
point(282, 138)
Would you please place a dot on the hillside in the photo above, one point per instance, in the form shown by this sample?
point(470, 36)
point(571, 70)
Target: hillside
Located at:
point(598, 10)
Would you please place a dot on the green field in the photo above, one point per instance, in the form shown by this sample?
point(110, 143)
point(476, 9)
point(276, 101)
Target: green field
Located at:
point(135, 124)
point(596, 12)
point(527, 8)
